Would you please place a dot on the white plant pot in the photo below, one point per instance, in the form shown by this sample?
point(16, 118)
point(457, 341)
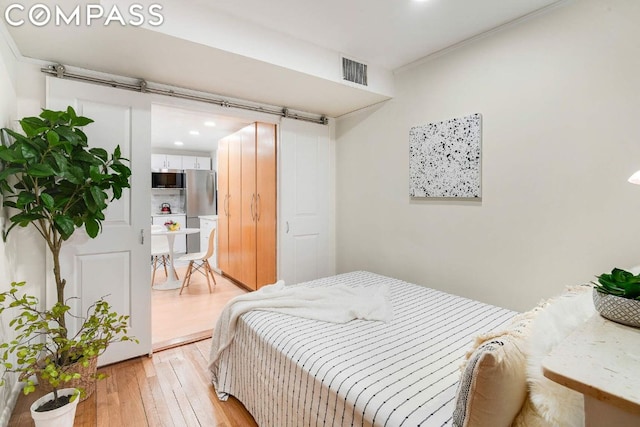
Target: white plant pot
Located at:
point(60, 417)
point(617, 309)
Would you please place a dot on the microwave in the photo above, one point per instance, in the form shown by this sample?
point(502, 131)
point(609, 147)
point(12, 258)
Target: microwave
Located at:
point(167, 180)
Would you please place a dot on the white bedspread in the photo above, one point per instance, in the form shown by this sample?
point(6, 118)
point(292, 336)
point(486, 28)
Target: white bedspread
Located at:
point(296, 372)
point(337, 304)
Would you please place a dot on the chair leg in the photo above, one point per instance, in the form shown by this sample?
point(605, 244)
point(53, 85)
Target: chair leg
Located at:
point(164, 263)
point(206, 274)
point(153, 275)
point(175, 273)
point(191, 268)
point(210, 271)
point(187, 277)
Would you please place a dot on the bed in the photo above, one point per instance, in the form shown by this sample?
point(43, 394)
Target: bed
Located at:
point(291, 371)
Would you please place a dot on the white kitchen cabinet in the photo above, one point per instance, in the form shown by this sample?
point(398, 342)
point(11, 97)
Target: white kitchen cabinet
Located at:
point(171, 161)
point(166, 161)
point(196, 162)
point(180, 244)
point(207, 224)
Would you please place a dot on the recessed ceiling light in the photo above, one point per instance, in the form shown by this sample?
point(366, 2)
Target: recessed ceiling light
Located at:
point(178, 143)
point(210, 124)
point(194, 132)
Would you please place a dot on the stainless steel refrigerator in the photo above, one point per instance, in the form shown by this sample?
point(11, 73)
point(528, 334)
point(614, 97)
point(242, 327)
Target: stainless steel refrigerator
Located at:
point(200, 199)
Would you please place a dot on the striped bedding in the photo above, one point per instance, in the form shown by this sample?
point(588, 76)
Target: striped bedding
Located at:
point(290, 371)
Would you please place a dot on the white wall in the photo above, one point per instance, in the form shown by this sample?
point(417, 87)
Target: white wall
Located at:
point(22, 255)
point(7, 114)
point(560, 100)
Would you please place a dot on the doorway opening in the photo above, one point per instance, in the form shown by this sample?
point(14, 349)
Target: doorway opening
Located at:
point(184, 141)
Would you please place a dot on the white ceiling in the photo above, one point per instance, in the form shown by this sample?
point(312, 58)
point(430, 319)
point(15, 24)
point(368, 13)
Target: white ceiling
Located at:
point(389, 33)
point(171, 124)
point(278, 52)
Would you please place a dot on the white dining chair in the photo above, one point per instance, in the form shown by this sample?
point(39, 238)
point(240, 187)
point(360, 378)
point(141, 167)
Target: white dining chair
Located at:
point(200, 262)
point(160, 253)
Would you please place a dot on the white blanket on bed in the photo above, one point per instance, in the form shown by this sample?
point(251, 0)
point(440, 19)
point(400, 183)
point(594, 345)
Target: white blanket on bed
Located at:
point(337, 304)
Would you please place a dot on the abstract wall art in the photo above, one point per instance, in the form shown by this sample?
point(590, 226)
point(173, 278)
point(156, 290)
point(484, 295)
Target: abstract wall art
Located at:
point(444, 158)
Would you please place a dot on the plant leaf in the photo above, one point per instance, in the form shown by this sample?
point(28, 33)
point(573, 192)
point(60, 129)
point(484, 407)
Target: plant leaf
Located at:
point(81, 121)
point(92, 226)
point(53, 137)
point(47, 200)
point(65, 225)
point(41, 171)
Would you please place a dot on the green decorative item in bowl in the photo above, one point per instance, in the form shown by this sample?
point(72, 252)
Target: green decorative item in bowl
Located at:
point(616, 297)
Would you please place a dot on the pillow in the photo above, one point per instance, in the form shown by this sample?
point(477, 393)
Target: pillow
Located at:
point(493, 386)
point(556, 404)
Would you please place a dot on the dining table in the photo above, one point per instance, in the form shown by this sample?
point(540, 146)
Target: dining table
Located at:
point(171, 283)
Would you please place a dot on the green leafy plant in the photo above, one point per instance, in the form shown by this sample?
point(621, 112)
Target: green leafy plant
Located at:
point(620, 283)
point(56, 358)
point(50, 178)
point(56, 182)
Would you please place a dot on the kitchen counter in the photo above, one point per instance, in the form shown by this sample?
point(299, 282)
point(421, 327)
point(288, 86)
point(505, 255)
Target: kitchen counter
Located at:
point(167, 214)
point(208, 216)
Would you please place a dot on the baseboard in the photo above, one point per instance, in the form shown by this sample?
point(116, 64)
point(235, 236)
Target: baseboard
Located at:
point(11, 404)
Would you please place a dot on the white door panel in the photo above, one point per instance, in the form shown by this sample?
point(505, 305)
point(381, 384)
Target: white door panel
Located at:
point(306, 249)
point(116, 263)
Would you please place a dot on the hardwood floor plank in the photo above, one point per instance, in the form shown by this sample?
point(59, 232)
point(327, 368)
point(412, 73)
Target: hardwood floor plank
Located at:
point(199, 364)
point(112, 385)
point(204, 347)
point(162, 408)
point(86, 412)
point(151, 409)
point(149, 368)
point(199, 401)
point(102, 402)
point(113, 410)
point(130, 395)
point(171, 388)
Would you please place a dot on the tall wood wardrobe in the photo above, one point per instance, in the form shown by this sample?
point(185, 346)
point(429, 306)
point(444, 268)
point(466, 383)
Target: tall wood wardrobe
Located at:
point(247, 205)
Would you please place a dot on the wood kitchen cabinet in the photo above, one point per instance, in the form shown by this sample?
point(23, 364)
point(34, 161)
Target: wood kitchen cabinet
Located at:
point(229, 222)
point(266, 208)
point(247, 201)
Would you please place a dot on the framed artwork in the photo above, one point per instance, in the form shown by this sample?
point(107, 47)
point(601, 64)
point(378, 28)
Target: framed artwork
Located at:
point(444, 158)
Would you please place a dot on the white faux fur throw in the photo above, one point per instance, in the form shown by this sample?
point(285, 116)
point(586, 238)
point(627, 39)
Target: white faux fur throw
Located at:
point(557, 404)
point(336, 304)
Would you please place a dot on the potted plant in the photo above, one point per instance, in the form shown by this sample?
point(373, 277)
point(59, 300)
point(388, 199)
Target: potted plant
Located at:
point(54, 181)
point(58, 360)
point(616, 297)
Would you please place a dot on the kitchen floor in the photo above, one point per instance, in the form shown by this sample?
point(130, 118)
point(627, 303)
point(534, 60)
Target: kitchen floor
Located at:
point(179, 319)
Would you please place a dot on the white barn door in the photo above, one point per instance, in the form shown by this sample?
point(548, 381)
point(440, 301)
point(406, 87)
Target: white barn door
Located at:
point(116, 263)
point(306, 200)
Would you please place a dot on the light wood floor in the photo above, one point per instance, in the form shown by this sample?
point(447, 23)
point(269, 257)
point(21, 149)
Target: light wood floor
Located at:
point(178, 319)
point(170, 389)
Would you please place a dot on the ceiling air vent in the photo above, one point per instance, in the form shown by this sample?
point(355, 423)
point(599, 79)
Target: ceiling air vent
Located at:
point(353, 71)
